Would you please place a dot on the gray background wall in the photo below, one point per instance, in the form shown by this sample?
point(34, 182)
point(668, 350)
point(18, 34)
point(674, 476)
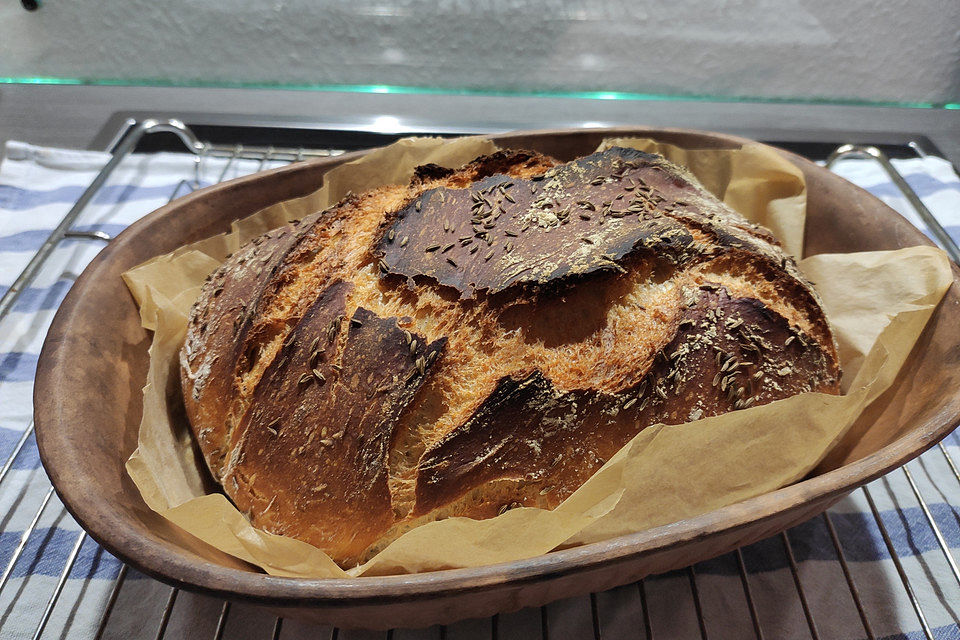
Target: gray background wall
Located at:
point(876, 50)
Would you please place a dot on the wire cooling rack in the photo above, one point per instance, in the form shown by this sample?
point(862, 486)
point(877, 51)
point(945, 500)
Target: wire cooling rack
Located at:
point(880, 563)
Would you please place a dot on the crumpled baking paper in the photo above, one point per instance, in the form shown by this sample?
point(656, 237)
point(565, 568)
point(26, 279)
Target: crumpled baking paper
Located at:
point(877, 302)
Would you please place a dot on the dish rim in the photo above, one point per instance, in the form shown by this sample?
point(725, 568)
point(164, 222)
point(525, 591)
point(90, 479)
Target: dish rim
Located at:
point(154, 558)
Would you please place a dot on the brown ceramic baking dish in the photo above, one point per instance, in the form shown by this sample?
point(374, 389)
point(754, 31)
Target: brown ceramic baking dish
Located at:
point(94, 362)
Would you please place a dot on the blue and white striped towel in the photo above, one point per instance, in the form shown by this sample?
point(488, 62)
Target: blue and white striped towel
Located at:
point(37, 188)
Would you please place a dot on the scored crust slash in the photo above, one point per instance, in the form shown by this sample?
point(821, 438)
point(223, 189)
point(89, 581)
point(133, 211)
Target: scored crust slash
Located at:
point(484, 338)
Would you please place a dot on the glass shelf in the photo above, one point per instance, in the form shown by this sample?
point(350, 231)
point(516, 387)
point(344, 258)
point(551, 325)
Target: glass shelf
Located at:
point(416, 90)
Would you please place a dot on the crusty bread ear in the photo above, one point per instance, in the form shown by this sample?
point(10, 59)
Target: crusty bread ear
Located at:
point(484, 338)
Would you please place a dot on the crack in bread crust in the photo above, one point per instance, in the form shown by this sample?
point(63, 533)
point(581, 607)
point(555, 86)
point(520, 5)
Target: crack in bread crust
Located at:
point(469, 385)
point(322, 419)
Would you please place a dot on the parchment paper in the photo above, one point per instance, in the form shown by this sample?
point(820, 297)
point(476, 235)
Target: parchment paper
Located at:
point(665, 474)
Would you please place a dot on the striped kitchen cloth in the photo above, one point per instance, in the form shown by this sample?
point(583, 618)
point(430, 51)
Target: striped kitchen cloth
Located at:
point(38, 186)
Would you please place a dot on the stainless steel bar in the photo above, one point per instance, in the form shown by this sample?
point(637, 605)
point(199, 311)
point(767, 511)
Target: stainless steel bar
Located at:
point(122, 151)
point(16, 451)
point(800, 592)
point(167, 610)
point(222, 621)
point(867, 151)
point(279, 153)
point(197, 161)
point(232, 158)
point(198, 167)
point(266, 156)
point(946, 454)
point(751, 605)
point(52, 602)
point(947, 244)
point(917, 149)
point(595, 617)
point(124, 144)
point(647, 625)
point(89, 235)
point(124, 129)
point(176, 190)
point(944, 547)
point(111, 601)
point(898, 565)
point(692, 574)
point(179, 129)
point(23, 540)
point(854, 592)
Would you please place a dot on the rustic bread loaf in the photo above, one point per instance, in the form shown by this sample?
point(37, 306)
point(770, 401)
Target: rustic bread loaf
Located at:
point(484, 338)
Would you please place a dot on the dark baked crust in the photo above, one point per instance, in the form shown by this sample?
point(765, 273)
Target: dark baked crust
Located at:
point(345, 433)
point(576, 219)
point(697, 375)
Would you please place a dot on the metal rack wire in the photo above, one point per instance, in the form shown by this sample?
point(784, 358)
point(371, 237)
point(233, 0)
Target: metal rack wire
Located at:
point(608, 614)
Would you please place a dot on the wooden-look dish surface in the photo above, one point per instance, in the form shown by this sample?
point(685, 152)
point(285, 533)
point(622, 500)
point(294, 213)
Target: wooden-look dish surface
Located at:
point(88, 404)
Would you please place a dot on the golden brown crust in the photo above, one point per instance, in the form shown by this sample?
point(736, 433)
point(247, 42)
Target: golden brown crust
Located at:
point(321, 421)
point(220, 332)
point(528, 431)
point(619, 294)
